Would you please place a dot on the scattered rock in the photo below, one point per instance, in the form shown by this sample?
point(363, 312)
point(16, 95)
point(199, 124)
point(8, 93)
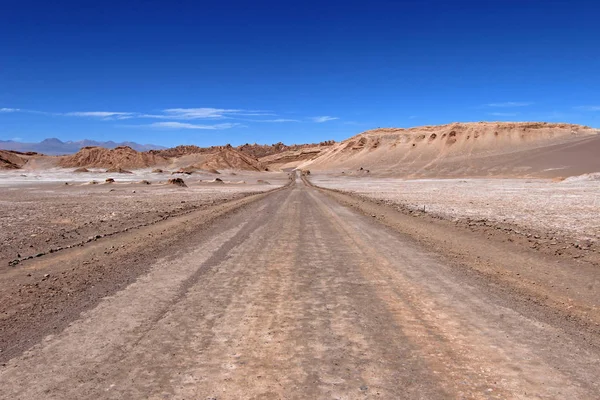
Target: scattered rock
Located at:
point(78, 170)
point(177, 182)
point(182, 171)
point(145, 182)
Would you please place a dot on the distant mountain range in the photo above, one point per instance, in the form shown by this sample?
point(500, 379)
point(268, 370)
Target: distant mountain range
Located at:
point(55, 146)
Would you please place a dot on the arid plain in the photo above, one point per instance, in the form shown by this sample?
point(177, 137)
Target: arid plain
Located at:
point(455, 261)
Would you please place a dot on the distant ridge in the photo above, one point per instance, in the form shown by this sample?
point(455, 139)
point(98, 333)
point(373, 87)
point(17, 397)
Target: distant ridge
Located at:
point(53, 146)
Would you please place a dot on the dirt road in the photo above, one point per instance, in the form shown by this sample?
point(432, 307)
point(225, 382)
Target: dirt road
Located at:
point(299, 297)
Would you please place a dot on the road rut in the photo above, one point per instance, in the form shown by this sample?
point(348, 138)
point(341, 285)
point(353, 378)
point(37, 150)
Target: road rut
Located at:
point(299, 297)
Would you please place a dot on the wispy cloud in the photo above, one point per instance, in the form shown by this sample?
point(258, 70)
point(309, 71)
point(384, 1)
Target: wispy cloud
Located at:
point(100, 114)
point(322, 119)
point(503, 114)
point(197, 113)
point(175, 114)
point(185, 125)
point(587, 108)
point(204, 113)
point(510, 104)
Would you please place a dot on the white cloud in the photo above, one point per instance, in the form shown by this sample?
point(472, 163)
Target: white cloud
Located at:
point(502, 114)
point(182, 114)
point(197, 113)
point(204, 113)
point(185, 125)
point(324, 118)
point(510, 104)
point(100, 114)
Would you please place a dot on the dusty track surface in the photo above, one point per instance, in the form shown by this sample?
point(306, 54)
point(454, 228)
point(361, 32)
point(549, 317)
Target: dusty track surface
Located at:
point(297, 296)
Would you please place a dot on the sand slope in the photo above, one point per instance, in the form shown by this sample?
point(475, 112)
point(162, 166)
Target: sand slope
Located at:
point(215, 158)
point(468, 149)
point(11, 160)
point(292, 158)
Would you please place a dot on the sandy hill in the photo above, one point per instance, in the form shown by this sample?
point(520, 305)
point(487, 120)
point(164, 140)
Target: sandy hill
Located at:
point(215, 158)
point(181, 157)
point(261, 151)
point(53, 146)
point(184, 150)
point(119, 157)
point(468, 149)
point(292, 158)
point(247, 157)
point(12, 159)
point(229, 158)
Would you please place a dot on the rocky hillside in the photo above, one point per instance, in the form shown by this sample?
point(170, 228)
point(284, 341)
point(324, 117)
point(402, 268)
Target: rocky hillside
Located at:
point(260, 150)
point(120, 157)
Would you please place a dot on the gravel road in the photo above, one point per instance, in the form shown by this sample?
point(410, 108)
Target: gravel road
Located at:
point(296, 296)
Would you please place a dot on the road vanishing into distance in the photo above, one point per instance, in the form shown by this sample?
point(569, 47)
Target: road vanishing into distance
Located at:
point(296, 296)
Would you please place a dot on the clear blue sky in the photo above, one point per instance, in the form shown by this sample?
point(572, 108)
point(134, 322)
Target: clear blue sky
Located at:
point(293, 71)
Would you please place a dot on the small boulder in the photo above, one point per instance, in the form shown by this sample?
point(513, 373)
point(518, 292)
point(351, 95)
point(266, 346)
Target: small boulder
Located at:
point(79, 170)
point(157, 171)
point(177, 182)
point(109, 180)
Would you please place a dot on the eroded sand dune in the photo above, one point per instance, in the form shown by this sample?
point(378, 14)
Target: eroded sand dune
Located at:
point(469, 149)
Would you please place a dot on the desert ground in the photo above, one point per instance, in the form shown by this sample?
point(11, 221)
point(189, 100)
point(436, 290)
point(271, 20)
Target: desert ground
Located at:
point(459, 261)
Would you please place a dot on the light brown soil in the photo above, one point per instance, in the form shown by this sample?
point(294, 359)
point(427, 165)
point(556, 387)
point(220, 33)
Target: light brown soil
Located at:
point(295, 295)
point(42, 294)
point(42, 218)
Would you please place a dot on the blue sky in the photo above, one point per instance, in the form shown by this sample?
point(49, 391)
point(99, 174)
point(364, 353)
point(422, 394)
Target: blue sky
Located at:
point(293, 71)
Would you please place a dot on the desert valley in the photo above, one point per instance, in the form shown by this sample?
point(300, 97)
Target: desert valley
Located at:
point(451, 261)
